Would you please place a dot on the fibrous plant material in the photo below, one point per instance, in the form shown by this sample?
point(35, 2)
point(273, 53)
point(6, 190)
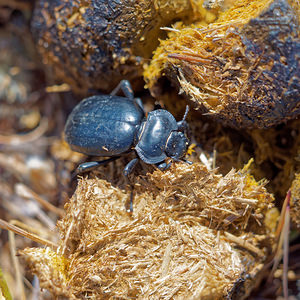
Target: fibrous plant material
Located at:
point(243, 69)
point(94, 44)
point(295, 201)
point(193, 233)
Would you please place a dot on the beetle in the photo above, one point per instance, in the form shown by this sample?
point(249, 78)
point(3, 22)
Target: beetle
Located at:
point(110, 125)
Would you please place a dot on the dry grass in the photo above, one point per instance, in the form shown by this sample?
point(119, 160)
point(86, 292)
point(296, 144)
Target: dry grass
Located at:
point(193, 233)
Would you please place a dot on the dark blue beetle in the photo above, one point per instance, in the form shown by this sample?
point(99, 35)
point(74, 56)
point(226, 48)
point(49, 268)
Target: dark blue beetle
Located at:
point(109, 125)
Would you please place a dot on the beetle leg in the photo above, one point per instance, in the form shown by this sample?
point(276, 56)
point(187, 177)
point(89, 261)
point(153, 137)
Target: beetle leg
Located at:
point(163, 166)
point(131, 202)
point(139, 103)
point(126, 88)
point(92, 165)
point(182, 160)
point(187, 161)
point(129, 167)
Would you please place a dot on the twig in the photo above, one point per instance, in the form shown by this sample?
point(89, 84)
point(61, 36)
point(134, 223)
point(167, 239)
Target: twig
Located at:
point(282, 233)
point(31, 236)
point(169, 29)
point(4, 290)
point(190, 58)
point(58, 88)
point(12, 246)
point(166, 260)
point(243, 244)
point(286, 232)
point(19, 139)
point(282, 216)
point(26, 192)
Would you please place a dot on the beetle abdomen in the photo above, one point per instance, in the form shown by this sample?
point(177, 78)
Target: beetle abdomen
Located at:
point(103, 125)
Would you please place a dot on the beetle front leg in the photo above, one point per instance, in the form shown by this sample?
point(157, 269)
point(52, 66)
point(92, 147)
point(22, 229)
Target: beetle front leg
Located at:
point(163, 165)
point(126, 88)
point(182, 160)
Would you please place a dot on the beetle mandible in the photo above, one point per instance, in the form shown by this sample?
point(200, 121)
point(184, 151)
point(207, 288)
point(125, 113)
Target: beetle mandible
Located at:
point(109, 125)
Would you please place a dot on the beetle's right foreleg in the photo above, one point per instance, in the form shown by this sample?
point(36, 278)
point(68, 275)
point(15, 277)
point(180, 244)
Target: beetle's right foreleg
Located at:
point(126, 88)
point(92, 165)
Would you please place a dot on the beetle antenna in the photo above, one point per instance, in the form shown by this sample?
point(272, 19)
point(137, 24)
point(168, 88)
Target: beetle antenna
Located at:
point(186, 112)
point(182, 125)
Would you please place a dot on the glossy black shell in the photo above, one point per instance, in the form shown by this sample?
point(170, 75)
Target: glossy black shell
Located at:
point(103, 125)
point(153, 136)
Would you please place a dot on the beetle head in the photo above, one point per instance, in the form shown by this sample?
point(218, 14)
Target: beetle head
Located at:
point(177, 144)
